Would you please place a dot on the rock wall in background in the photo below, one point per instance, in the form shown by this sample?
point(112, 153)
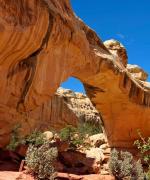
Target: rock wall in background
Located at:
point(64, 108)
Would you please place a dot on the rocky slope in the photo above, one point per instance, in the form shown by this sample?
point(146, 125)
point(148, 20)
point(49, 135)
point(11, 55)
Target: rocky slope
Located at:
point(42, 43)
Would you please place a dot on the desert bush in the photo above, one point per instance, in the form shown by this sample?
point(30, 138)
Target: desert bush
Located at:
point(15, 139)
point(89, 128)
point(36, 138)
point(123, 166)
point(67, 133)
point(143, 146)
point(147, 175)
point(40, 161)
point(72, 135)
point(76, 135)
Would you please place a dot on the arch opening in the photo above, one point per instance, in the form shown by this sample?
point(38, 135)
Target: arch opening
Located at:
point(73, 84)
point(80, 103)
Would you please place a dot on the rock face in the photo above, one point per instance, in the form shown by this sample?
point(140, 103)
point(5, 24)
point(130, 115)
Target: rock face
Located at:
point(137, 72)
point(81, 105)
point(42, 43)
point(64, 108)
point(118, 50)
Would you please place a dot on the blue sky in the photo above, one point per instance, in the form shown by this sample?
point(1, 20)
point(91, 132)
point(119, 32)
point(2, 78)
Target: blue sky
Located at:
point(127, 21)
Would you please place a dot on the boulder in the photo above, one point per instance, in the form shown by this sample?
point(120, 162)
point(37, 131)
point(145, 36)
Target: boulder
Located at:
point(79, 163)
point(97, 139)
point(95, 153)
point(104, 146)
point(48, 135)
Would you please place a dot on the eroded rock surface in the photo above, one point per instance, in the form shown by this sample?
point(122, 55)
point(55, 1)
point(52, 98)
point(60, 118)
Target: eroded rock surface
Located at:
point(137, 72)
point(42, 43)
point(81, 105)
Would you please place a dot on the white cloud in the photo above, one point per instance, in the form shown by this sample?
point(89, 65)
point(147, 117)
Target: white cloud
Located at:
point(121, 36)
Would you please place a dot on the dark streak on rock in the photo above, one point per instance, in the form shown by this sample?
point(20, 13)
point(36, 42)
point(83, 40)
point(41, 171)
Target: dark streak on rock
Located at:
point(31, 61)
point(91, 90)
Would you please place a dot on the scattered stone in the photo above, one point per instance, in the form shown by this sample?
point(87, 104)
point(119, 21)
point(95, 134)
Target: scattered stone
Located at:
point(95, 153)
point(106, 167)
point(104, 146)
point(107, 151)
point(48, 135)
point(97, 139)
point(104, 173)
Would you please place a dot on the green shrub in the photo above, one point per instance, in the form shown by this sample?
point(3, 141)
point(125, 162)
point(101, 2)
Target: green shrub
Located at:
point(40, 161)
point(71, 134)
point(147, 175)
point(36, 138)
point(67, 133)
point(15, 140)
point(143, 146)
point(122, 166)
point(89, 128)
point(76, 135)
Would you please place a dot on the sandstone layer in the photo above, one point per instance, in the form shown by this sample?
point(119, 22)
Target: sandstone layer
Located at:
point(42, 43)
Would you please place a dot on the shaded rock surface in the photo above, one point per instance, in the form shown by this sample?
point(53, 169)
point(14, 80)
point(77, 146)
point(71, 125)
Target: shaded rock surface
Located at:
point(79, 163)
point(85, 159)
point(42, 44)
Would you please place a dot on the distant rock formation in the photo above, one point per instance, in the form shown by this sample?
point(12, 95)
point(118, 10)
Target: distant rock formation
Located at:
point(81, 105)
point(42, 43)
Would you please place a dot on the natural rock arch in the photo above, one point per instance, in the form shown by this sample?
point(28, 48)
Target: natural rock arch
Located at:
point(42, 43)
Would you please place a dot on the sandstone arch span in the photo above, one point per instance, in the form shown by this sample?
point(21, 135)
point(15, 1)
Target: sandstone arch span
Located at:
point(42, 43)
